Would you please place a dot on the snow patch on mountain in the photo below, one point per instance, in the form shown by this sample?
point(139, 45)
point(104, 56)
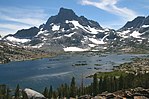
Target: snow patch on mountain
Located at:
point(76, 24)
point(55, 38)
point(38, 45)
point(41, 32)
point(69, 35)
point(92, 45)
point(135, 34)
point(95, 41)
point(94, 31)
point(55, 27)
point(13, 39)
point(75, 49)
point(88, 29)
point(145, 26)
point(124, 34)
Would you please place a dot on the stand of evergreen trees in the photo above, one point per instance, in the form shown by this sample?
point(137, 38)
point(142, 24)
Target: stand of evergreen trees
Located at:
point(99, 85)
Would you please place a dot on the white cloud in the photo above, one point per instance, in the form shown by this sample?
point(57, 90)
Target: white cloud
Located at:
point(111, 6)
point(13, 18)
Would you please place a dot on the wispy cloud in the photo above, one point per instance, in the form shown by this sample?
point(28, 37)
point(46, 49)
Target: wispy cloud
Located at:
point(111, 7)
point(13, 18)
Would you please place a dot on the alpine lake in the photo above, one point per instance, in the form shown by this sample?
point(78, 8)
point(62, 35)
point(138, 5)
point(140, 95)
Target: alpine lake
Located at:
point(41, 73)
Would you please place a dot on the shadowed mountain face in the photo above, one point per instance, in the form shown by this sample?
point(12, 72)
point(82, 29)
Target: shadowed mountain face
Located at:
point(136, 23)
point(27, 33)
point(69, 15)
point(66, 29)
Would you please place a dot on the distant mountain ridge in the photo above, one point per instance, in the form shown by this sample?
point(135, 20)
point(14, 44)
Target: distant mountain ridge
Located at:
point(139, 27)
point(69, 32)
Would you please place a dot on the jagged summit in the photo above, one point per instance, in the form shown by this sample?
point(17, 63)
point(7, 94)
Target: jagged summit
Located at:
point(67, 14)
point(64, 15)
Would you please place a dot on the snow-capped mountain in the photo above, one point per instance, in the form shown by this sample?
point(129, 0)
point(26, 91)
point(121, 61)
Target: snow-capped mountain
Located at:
point(137, 28)
point(69, 32)
point(135, 34)
point(65, 31)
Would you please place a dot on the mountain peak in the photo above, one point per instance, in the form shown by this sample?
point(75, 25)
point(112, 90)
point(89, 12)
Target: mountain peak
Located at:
point(63, 15)
point(66, 14)
point(63, 11)
point(136, 23)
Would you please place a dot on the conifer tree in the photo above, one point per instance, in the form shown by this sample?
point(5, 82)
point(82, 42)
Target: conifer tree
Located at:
point(45, 92)
point(82, 86)
point(50, 92)
point(73, 88)
point(105, 83)
point(7, 94)
point(67, 91)
point(100, 85)
point(95, 85)
point(17, 92)
point(121, 83)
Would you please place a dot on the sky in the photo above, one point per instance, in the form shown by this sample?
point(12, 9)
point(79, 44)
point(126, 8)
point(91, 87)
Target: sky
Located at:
point(23, 14)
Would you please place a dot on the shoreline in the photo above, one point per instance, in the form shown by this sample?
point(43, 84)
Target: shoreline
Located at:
point(49, 55)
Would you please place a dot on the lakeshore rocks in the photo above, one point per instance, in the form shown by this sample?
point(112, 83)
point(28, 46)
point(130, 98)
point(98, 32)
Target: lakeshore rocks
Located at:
point(31, 94)
point(136, 93)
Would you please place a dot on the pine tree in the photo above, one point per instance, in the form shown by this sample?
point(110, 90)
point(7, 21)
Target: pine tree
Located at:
point(95, 85)
point(82, 86)
point(45, 92)
point(121, 82)
point(105, 83)
point(50, 92)
point(8, 95)
point(73, 88)
point(2, 91)
point(55, 95)
point(17, 92)
point(67, 91)
point(100, 85)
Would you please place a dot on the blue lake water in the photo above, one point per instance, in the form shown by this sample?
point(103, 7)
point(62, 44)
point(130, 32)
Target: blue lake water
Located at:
point(41, 73)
